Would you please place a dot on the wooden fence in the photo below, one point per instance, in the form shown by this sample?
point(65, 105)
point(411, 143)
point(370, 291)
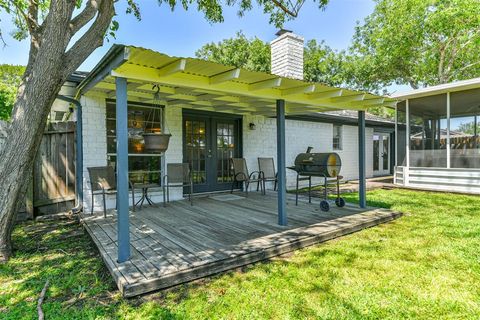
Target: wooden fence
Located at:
point(52, 187)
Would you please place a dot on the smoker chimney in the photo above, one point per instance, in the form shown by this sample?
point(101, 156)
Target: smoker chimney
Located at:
point(287, 55)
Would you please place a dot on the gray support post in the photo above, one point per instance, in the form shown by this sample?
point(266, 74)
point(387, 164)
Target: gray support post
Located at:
point(282, 188)
point(449, 163)
point(362, 199)
point(123, 224)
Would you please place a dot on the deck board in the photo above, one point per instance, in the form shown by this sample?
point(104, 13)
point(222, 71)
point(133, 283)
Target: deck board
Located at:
point(179, 243)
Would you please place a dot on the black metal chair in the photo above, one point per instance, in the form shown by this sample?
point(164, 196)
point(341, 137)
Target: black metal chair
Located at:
point(178, 175)
point(266, 166)
point(103, 181)
point(240, 174)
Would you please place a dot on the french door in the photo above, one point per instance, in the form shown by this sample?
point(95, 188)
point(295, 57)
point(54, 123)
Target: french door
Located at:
point(381, 154)
point(209, 141)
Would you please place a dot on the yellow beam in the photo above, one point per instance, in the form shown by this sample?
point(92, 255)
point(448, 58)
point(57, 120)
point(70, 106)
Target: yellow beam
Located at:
point(298, 90)
point(172, 68)
point(265, 84)
point(225, 76)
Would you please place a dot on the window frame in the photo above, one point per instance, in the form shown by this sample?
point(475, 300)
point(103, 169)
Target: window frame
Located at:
point(161, 156)
point(339, 144)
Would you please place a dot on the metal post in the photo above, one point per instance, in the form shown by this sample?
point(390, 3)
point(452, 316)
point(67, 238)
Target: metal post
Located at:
point(362, 198)
point(396, 136)
point(123, 224)
point(475, 133)
point(282, 212)
point(448, 130)
point(407, 138)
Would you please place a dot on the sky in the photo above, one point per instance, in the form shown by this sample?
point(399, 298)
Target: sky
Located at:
point(181, 33)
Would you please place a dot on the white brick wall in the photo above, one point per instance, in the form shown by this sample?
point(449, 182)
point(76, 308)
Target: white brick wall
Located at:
point(256, 143)
point(299, 135)
point(94, 146)
point(287, 56)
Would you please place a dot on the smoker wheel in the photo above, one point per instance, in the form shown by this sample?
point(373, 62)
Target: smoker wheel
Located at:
point(340, 202)
point(324, 206)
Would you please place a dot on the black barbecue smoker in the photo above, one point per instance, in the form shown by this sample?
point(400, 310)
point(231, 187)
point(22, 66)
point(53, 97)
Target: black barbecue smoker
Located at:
point(324, 165)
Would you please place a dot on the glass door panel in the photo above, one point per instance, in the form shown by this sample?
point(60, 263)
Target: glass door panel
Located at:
point(381, 154)
point(226, 145)
point(376, 152)
point(385, 153)
point(195, 149)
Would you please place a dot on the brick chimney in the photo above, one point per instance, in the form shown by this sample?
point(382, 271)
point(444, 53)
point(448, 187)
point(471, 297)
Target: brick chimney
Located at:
point(287, 55)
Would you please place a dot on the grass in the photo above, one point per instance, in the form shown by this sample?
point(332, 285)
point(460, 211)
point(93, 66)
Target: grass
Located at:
point(424, 265)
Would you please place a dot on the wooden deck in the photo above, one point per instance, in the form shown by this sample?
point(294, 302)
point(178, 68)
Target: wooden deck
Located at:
point(181, 242)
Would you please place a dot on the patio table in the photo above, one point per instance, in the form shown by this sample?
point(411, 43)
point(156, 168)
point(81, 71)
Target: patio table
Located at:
point(145, 196)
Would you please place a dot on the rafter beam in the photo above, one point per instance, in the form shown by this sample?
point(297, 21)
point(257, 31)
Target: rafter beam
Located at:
point(174, 67)
point(368, 102)
point(265, 84)
point(225, 76)
point(325, 94)
point(353, 97)
point(181, 96)
point(299, 90)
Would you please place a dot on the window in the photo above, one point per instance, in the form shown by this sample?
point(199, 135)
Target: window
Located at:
point(337, 137)
point(142, 165)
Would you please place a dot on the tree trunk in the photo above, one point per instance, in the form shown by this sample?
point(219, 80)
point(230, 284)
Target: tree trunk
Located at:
point(24, 135)
point(48, 67)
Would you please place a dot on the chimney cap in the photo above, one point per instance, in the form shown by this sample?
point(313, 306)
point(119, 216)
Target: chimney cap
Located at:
point(282, 31)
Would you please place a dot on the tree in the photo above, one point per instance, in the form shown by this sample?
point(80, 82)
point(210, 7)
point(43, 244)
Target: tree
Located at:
point(252, 54)
point(10, 78)
point(416, 43)
point(468, 128)
point(323, 64)
point(62, 34)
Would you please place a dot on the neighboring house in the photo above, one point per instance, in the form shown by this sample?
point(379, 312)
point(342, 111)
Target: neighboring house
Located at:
point(208, 128)
point(438, 143)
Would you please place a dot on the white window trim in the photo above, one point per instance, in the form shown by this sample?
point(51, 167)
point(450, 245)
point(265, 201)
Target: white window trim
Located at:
point(340, 143)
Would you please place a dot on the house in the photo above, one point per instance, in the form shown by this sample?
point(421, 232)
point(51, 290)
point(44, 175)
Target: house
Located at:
point(438, 138)
point(250, 132)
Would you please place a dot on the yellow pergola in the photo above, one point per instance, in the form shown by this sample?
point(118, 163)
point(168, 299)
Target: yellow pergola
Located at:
point(211, 86)
point(129, 73)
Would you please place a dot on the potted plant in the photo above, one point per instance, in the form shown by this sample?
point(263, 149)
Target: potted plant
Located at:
point(156, 140)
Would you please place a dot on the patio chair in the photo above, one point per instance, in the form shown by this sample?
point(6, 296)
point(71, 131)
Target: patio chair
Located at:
point(102, 182)
point(266, 166)
point(178, 175)
point(240, 174)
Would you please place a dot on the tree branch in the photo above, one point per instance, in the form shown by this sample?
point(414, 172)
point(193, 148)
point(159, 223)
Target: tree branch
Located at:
point(284, 8)
point(92, 38)
point(462, 69)
point(33, 12)
point(30, 21)
point(88, 13)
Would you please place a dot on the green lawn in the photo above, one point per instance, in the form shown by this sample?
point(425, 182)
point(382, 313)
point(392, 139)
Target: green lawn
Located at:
point(425, 265)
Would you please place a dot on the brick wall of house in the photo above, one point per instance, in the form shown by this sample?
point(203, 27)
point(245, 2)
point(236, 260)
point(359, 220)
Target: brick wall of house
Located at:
point(261, 142)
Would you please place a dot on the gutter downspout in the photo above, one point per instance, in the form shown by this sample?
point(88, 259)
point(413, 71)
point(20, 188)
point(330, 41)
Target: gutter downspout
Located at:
point(79, 157)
